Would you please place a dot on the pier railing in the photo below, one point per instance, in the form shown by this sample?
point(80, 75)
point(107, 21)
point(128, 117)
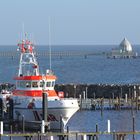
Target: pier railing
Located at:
point(109, 104)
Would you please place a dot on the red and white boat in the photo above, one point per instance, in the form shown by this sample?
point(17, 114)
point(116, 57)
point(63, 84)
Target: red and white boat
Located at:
point(29, 87)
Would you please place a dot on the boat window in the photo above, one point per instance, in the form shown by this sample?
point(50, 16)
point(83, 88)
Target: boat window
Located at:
point(22, 84)
point(34, 84)
point(48, 84)
point(53, 83)
point(18, 84)
point(41, 84)
point(28, 84)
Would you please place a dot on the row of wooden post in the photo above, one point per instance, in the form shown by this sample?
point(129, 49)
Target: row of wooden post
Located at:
point(116, 136)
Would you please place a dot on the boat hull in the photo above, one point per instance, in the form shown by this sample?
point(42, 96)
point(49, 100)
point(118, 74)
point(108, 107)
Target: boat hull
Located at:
point(58, 113)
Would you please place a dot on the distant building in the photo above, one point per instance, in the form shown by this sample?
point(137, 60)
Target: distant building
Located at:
point(123, 51)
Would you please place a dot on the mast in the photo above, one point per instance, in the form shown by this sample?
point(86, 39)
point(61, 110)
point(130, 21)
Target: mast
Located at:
point(50, 44)
point(28, 65)
point(23, 33)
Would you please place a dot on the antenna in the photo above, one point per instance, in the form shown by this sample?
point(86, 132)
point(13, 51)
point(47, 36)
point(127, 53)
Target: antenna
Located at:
point(50, 43)
point(24, 35)
point(23, 32)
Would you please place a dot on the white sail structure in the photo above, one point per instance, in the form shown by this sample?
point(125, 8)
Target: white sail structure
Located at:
point(125, 46)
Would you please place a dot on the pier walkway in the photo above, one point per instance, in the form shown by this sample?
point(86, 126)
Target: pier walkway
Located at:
point(54, 53)
point(72, 136)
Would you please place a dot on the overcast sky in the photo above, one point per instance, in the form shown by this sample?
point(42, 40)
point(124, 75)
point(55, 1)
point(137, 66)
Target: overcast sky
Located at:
point(72, 21)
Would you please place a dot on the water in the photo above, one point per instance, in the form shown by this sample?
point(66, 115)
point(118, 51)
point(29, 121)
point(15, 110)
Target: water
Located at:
point(94, 69)
point(121, 121)
point(77, 69)
point(85, 121)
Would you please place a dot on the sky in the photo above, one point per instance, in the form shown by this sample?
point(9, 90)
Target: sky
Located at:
point(78, 22)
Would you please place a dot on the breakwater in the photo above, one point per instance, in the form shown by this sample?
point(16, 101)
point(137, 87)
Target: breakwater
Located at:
point(99, 90)
point(91, 90)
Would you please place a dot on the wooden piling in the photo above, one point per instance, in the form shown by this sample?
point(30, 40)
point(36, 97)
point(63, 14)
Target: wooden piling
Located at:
point(108, 126)
point(80, 98)
point(44, 110)
point(44, 106)
point(74, 86)
point(67, 133)
point(120, 96)
point(126, 98)
point(109, 103)
point(116, 104)
point(96, 132)
point(93, 104)
point(1, 129)
point(101, 103)
point(95, 137)
point(61, 124)
point(136, 102)
point(132, 106)
point(120, 136)
point(26, 137)
point(11, 109)
point(23, 124)
point(114, 136)
point(76, 136)
point(1, 109)
point(129, 93)
point(43, 127)
point(119, 107)
point(94, 95)
point(38, 136)
point(84, 137)
point(133, 126)
point(11, 131)
point(30, 138)
point(51, 138)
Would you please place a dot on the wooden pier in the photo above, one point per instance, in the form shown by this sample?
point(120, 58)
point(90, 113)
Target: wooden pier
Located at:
point(71, 135)
point(54, 53)
point(109, 104)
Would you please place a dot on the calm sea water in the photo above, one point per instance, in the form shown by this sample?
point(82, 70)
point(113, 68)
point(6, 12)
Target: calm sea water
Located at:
point(77, 69)
point(85, 121)
point(94, 69)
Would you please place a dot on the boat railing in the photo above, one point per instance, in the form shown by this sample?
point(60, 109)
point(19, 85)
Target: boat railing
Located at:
point(68, 99)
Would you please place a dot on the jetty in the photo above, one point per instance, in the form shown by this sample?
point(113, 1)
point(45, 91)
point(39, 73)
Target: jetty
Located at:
point(95, 135)
point(54, 53)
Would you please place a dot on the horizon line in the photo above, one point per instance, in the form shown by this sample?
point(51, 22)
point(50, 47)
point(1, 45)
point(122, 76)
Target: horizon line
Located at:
point(68, 44)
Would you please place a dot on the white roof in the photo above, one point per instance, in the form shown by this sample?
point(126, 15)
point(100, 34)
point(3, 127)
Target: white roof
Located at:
point(125, 45)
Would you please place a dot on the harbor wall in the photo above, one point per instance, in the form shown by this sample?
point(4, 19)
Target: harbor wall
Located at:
point(91, 90)
point(99, 90)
